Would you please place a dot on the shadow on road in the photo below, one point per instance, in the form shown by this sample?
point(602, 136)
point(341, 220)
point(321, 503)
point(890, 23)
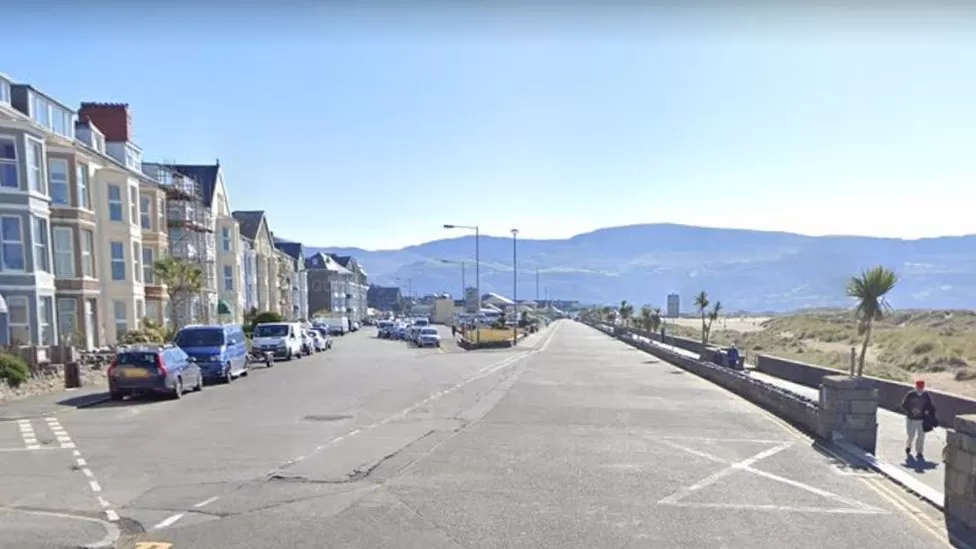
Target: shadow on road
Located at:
point(103, 400)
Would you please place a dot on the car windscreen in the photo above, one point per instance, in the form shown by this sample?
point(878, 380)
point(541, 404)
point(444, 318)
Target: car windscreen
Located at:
point(429, 331)
point(199, 337)
point(271, 330)
point(141, 360)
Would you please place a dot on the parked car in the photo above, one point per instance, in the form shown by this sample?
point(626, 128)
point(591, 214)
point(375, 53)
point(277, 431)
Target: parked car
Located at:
point(219, 350)
point(280, 337)
point(323, 341)
point(428, 337)
point(147, 369)
point(308, 341)
point(384, 329)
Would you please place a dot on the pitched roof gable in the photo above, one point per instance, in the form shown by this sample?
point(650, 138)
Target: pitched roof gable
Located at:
point(205, 176)
point(250, 222)
point(295, 250)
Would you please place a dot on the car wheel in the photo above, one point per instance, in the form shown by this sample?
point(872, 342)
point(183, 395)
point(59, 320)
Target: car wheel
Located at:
point(247, 369)
point(178, 389)
point(289, 356)
point(116, 395)
point(199, 386)
point(228, 374)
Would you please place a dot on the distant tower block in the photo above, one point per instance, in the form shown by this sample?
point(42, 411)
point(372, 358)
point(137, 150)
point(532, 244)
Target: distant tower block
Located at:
point(674, 305)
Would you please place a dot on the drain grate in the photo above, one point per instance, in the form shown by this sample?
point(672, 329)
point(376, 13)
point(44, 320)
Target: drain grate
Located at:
point(327, 418)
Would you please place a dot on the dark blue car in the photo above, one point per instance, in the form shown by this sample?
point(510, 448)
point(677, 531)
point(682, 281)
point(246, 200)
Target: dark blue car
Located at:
point(220, 350)
point(152, 369)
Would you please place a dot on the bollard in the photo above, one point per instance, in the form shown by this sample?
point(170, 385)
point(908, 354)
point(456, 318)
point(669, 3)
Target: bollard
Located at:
point(72, 375)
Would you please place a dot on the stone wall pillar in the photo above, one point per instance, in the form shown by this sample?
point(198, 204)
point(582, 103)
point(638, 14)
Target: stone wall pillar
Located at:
point(849, 411)
point(960, 471)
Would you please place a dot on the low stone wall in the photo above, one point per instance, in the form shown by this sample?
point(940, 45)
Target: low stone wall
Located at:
point(960, 474)
point(50, 379)
point(890, 393)
point(796, 409)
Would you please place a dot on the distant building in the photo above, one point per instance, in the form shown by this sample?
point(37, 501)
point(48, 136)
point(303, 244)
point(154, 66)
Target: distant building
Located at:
point(674, 305)
point(384, 298)
point(470, 300)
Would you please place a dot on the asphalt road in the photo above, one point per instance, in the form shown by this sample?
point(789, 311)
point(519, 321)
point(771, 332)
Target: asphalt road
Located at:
point(572, 440)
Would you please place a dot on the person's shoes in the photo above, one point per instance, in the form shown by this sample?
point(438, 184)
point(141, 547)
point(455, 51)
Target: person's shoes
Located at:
point(920, 457)
point(908, 452)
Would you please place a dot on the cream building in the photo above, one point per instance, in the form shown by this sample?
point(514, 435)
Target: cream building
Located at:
point(267, 261)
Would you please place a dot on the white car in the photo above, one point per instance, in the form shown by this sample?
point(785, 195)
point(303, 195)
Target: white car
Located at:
point(322, 342)
point(428, 337)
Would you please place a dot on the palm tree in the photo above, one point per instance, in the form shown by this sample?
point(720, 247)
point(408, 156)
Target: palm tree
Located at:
point(655, 322)
point(626, 311)
point(869, 289)
point(701, 304)
point(712, 317)
point(644, 321)
point(182, 279)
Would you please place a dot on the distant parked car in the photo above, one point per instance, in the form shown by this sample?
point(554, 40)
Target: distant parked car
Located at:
point(147, 369)
point(282, 338)
point(323, 341)
point(428, 337)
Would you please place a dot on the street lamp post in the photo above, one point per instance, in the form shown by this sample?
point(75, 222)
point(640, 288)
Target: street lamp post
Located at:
point(477, 263)
point(515, 326)
point(464, 285)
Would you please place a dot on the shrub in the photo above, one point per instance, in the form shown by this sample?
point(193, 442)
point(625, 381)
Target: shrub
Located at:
point(267, 316)
point(13, 370)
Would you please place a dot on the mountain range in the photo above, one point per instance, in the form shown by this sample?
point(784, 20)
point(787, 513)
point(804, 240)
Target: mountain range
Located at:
point(747, 270)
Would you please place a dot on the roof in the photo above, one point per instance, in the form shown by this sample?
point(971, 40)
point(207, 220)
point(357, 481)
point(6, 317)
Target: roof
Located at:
point(294, 249)
point(497, 297)
point(326, 262)
point(346, 260)
point(250, 222)
point(204, 175)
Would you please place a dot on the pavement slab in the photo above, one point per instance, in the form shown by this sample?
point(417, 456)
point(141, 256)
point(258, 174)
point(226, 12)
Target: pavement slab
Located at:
point(574, 441)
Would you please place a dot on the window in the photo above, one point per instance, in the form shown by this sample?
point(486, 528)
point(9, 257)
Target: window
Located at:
point(67, 318)
point(87, 257)
point(45, 324)
point(121, 322)
point(145, 211)
point(148, 276)
point(140, 310)
point(64, 251)
point(12, 243)
point(99, 141)
point(4, 92)
point(62, 122)
point(225, 238)
point(8, 164)
point(39, 228)
point(152, 310)
point(115, 203)
point(118, 261)
point(35, 166)
point(136, 262)
point(160, 214)
point(57, 173)
point(81, 179)
point(133, 205)
point(18, 315)
point(228, 278)
point(40, 110)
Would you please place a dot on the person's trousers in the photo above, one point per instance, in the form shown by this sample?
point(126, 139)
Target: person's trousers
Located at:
point(917, 433)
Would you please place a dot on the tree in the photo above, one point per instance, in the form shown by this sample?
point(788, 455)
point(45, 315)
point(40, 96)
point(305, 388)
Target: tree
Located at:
point(869, 289)
point(708, 316)
point(626, 311)
point(182, 278)
point(607, 314)
point(656, 319)
point(644, 320)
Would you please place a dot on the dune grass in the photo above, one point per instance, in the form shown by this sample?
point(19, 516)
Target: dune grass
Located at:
point(906, 344)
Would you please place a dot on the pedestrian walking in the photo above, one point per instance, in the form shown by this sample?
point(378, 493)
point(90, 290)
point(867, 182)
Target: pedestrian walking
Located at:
point(919, 418)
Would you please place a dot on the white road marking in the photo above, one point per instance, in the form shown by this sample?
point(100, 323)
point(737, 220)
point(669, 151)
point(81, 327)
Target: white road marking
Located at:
point(81, 462)
point(95, 486)
point(168, 521)
point(112, 515)
point(206, 502)
point(103, 502)
point(87, 472)
point(855, 507)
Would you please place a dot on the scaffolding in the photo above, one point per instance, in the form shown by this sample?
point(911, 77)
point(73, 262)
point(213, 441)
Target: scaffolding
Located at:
point(191, 237)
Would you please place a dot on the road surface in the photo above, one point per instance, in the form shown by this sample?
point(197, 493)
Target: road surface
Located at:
point(572, 440)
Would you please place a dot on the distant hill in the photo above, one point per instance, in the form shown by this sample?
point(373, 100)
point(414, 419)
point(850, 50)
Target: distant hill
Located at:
point(749, 270)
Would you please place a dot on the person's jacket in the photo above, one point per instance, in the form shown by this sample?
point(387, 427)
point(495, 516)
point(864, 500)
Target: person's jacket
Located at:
point(918, 406)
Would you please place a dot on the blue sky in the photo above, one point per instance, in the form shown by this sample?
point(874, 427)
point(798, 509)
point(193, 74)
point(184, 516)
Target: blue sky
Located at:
point(372, 129)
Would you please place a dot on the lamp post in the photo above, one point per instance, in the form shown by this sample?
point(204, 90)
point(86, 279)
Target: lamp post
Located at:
point(464, 285)
point(515, 310)
point(477, 264)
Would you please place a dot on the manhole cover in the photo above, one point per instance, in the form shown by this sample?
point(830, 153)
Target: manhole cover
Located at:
point(326, 418)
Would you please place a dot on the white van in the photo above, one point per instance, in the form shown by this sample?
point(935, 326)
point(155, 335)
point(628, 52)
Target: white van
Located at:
point(338, 324)
point(282, 338)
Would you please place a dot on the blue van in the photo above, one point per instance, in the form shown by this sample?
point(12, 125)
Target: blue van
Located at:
point(220, 350)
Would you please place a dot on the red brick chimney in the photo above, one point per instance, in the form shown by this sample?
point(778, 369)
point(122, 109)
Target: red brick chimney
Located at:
point(113, 119)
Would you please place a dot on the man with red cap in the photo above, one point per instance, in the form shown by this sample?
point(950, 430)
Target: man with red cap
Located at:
point(919, 410)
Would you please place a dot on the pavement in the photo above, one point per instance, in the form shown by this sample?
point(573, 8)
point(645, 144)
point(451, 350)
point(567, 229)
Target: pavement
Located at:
point(925, 479)
point(572, 439)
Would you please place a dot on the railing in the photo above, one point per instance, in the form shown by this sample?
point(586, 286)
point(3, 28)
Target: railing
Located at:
point(188, 213)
